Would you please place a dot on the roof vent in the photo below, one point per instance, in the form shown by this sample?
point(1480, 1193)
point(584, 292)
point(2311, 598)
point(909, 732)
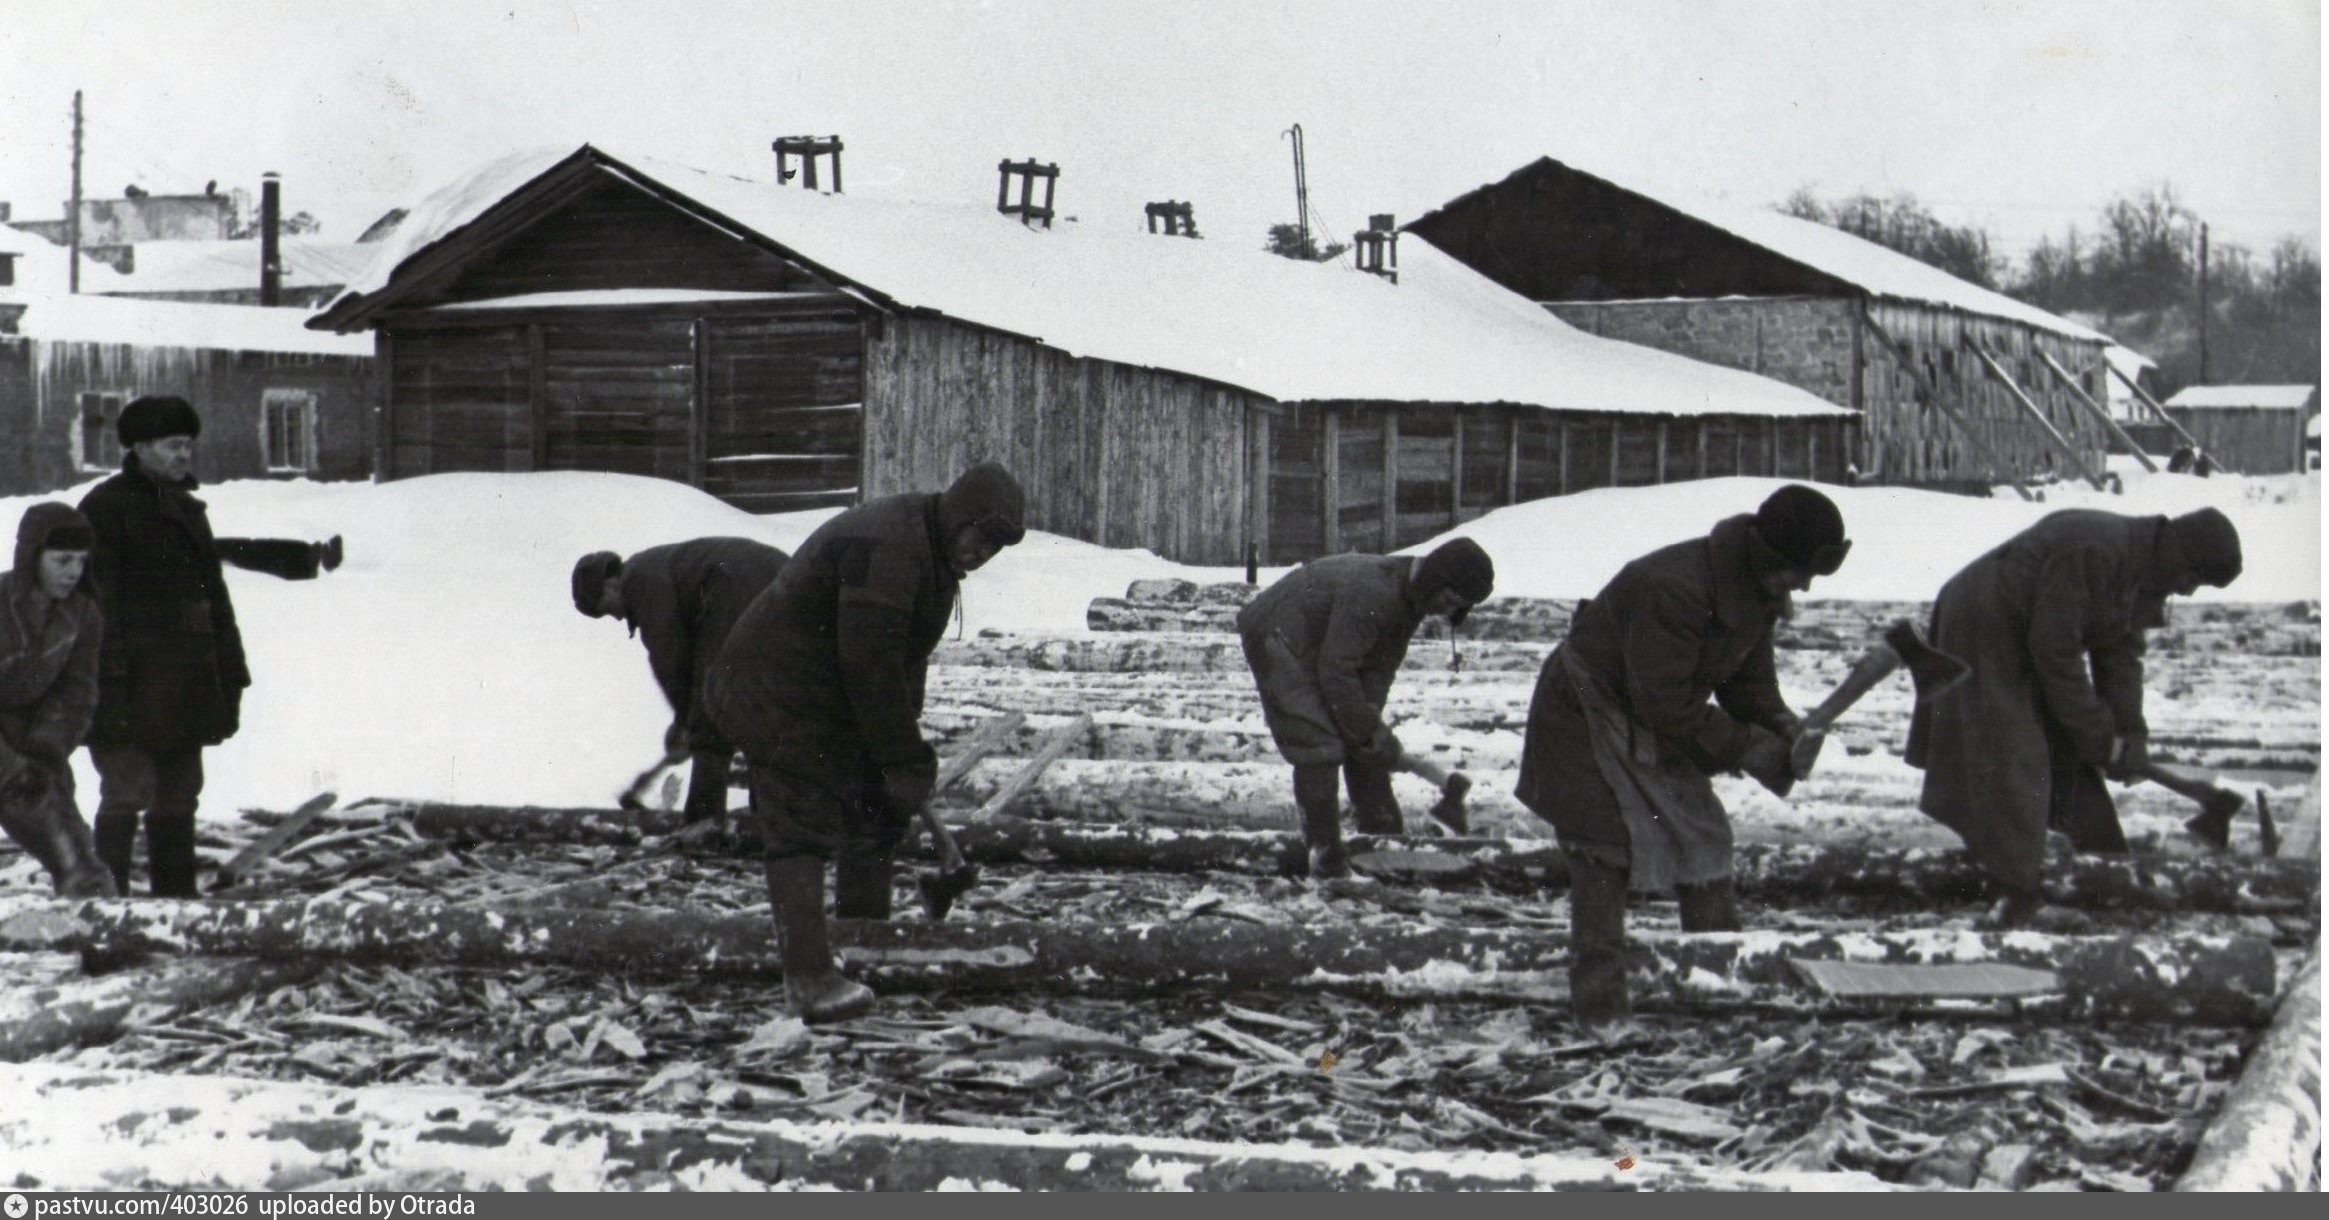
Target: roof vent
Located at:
point(1027, 210)
point(808, 149)
point(1179, 218)
point(1377, 246)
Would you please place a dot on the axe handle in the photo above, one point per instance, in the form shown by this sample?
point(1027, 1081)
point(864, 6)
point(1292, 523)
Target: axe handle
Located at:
point(1874, 666)
point(949, 855)
point(1425, 768)
point(2194, 787)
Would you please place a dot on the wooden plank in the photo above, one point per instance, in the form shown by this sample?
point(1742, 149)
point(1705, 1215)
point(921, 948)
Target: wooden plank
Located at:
point(1948, 980)
point(1616, 448)
point(1456, 472)
point(1665, 430)
point(385, 458)
point(1702, 429)
point(1512, 455)
point(1997, 466)
point(2151, 404)
point(2061, 443)
point(2079, 396)
point(1390, 535)
point(1562, 488)
point(271, 842)
point(1054, 744)
point(1259, 521)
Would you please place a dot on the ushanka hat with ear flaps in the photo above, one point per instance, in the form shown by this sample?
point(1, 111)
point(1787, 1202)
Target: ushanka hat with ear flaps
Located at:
point(590, 580)
point(1461, 565)
point(1804, 528)
point(50, 526)
point(156, 416)
point(2209, 544)
point(987, 497)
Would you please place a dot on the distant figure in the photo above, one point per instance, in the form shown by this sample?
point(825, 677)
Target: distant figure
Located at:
point(50, 631)
point(171, 673)
point(821, 684)
point(2187, 460)
point(2051, 622)
point(681, 600)
point(1324, 643)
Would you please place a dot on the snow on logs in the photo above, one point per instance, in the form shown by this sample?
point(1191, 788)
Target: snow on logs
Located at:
point(2267, 1134)
point(2214, 978)
point(88, 1010)
point(71, 1128)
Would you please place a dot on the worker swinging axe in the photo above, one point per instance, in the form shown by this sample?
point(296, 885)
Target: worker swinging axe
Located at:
point(1933, 671)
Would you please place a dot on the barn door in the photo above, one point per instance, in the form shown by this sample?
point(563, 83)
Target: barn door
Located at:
point(617, 397)
point(784, 414)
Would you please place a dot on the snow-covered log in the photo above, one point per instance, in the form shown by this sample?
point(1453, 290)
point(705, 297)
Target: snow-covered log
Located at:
point(2210, 978)
point(1188, 652)
point(86, 1010)
point(75, 1129)
point(2267, 1134)
point(541, 824)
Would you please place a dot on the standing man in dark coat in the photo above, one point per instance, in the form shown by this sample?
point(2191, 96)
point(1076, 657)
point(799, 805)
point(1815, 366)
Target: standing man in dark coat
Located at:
point(2052, 623)
point(50, 632)
point(171, 673)
point(1622, 736)
point(821, 684)
point(1324, 643)
point(681, 600)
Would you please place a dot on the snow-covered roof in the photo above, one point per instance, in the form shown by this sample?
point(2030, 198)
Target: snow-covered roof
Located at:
point(1877, 270)
point(2231, 397)
point(2129, 361)
point(62, 318)
point(1287, 330)
point(44, 267)
point(216, 266)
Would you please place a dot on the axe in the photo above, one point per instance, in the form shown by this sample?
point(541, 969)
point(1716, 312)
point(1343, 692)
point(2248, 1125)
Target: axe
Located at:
point(2213, 824)
point(1933, 671)
point(1449, 814)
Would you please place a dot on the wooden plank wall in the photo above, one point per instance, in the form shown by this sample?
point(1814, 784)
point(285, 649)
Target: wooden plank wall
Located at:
point(1507, 455)
point(784, 418)
point(2249, 440)
point(1904, 441)
point(464, 401)
point(617, 396)
point(1109, 453)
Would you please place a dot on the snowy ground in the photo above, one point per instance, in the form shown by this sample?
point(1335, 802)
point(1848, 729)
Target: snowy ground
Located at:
point(445, 661)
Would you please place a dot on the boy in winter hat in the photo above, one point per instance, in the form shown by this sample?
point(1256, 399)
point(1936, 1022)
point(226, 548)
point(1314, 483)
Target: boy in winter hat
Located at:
point(50, 631)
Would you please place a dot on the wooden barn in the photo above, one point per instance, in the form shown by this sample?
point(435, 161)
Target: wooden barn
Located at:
point(277, 400)
point(2251, 429)
point(786, 349)
point(1953, 384)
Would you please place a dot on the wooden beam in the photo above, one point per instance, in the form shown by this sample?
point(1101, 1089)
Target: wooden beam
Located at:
point(2267, 1134)
point(1330, 479)
point(211, 1132)
point(700, 404)
point(1771, 444)
point(537, 392)
point(1456, 469)
point(1616, 446)
point(2062, 444)
point(1259, 523)
point(1562, 487)
point(2144, 397)
point(2095, 409)
point(1390, 479)
point(1998, 469)
point(1512, 455)
point(384, 456)
point(1665, 427)
point(1702, 426)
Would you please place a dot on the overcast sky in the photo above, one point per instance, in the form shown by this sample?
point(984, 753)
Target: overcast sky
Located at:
point(2022, 117)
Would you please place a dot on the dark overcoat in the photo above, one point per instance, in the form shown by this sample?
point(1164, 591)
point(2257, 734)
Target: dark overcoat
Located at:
point(48, 667)
point(824, 672)
point(1324, 643)
point(171, 673)
point(682, 600)
point(2051, 622)
point(1681, 638)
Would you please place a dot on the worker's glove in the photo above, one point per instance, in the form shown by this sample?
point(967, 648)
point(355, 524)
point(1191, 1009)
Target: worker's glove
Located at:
point(1766, 760)
point(1380, 749)
point(2130, 753)
point(905, 788)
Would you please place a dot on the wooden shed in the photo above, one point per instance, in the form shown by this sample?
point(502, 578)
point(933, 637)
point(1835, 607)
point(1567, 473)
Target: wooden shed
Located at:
point(784, 349)
point(2252, 429)
point(1954, 384)
point(277, 400)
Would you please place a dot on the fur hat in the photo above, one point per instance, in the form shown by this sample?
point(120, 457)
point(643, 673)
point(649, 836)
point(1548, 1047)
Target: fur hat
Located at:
point(988, 497)
point(2209, 544)
point(50, 526)
point(1804, 528)
point(155, 416)
point(1459, 564)
point(591, 573)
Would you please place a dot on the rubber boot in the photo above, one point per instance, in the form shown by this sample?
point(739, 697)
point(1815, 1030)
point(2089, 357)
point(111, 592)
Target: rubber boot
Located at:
point(812, 983)
point(861, 886)
point(1316, 796)
point(707, 788)
point(116, 843)
point(170, 843)
point(1713, 907)
point(78, 873)
point(2015, 908)
point(1374, 809)
point(1597, 967)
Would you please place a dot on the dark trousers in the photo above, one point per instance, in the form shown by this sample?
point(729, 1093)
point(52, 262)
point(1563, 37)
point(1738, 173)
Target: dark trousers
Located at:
point(829, 817)
point(707, 786)
point(163, 786)
point(1374, 809)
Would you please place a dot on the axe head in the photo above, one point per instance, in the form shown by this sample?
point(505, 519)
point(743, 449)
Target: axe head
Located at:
point(939, 889)
point(1934, 672)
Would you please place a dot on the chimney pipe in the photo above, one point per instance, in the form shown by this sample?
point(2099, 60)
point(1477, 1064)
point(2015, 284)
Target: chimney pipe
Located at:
point(270, 239)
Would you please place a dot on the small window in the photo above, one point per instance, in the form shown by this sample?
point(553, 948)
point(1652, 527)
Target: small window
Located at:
point(96, 447)
point(287, 430)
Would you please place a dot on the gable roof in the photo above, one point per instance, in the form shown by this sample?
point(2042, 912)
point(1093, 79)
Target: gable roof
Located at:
point(2234, 397)
point(1245, 318)
point(222, 266)
point(1876, 270)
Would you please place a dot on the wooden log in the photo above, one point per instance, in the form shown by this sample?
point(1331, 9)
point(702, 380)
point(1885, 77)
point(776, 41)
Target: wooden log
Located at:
point(237, 1133)
point(2211, 978)
point(2152, 404)
point(90, 1011)
point(2267, 1134)
point(1055, 742)
point(271, 842)
point(1183, 652)
point(2101, 414)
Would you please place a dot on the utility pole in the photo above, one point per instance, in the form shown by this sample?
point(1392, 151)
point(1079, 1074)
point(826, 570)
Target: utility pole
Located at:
point(2203, 302)
point(73, 217)
point(1301, 196)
